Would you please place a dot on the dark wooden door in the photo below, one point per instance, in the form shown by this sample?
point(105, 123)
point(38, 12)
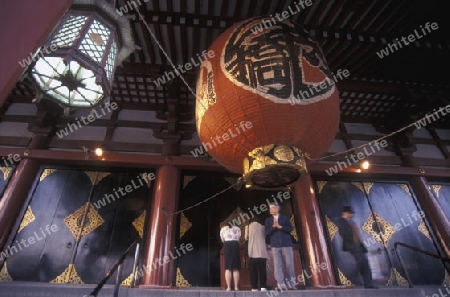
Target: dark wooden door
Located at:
point(401, 220)
point(5, 175)
point(88, 236)
point(123, 222)
point(200, 226)
point(333, 196)
point(386, 213)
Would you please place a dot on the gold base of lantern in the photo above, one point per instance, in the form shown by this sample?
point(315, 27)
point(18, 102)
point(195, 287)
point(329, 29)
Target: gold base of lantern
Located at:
point(274, 166)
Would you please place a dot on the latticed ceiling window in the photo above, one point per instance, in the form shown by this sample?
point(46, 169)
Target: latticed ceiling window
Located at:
point(95, 45)
point(69, 30)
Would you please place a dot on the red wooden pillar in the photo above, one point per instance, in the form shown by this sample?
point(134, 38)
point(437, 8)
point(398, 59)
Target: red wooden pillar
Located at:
point(161, 233)
point(16, 192)
point(433, 212)
point(318, 259)
point(24, 27)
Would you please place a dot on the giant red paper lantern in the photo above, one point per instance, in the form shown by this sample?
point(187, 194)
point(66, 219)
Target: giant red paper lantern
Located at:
point(265, 101)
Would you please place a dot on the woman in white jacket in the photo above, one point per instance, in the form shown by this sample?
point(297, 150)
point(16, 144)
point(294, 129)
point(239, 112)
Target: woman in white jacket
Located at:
point(257, 252)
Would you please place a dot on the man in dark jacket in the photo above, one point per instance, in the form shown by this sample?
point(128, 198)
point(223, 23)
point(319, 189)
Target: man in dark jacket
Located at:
point(278, 229)
point(352, 243)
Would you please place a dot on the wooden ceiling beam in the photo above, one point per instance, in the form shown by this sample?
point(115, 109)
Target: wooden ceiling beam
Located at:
point(358, 16)
point(149, 44)
point(139, 51)
point(124, 105)
point(112, 125)
point(349, 85)
point(380, 22)
point(127, 160)
point(402, 22)
point(315, 19)
point(337, 52)
point(343, 85)
point(190, 19)
point(107, 146)
point(339, 21)
point(329, 45)
point(148, 70)
point(157, 31)
point(171, 37)
point(184, 40)
point(144, 69)
point(14, 141)
point(378, 9)
point(173, 106)
point(363, 51)
point(326, 23)
point(201, 21)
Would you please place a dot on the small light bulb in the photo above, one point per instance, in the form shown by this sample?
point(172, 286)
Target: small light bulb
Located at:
point(98, 151)
point(365, 165)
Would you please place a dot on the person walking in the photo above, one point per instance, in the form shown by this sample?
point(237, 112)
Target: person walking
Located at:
point(278, 229)
point(352, 243)
point(257, 252)
point(230, 238)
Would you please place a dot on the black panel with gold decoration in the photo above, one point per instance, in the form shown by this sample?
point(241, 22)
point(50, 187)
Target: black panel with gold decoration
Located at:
point(5, 175)
point(332, 197)
point(386, 213)
point(400, 220)
point(95, 217)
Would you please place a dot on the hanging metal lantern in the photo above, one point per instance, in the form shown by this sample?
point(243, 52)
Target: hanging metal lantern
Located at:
point(76, 65)
point(276, 78)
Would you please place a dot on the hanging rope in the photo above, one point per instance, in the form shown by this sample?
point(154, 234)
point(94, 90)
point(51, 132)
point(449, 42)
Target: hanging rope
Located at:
point(204, 201)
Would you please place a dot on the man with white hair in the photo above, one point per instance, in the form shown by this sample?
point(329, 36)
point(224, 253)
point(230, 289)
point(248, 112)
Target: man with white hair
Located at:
point(278, 229)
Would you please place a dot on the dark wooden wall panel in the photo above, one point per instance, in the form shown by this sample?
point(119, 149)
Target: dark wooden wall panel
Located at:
point(56, 195)
point(386, 213)
point(90, 237)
